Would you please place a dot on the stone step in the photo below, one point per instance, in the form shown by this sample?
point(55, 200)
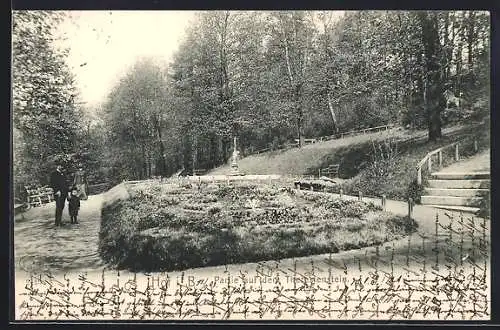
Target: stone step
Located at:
point(466, 209)
point(451, 200)
point(455, 192)
point(459, 184)
point(460, 176)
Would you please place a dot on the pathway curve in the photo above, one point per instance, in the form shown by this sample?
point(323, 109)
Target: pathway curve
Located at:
point(40, 245)
point(70, 253)
point(476, 163)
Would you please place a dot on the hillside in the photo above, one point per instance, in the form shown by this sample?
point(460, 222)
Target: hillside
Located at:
point(395, 176)
point(350, 152)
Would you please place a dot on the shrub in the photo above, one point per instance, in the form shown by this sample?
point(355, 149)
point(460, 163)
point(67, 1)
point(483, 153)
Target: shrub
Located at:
point(415, 191)
point(223, 191)
point(214, 210)
point(392, 173)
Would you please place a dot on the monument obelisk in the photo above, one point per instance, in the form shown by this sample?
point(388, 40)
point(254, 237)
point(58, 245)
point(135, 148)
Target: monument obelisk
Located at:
point(234, 160)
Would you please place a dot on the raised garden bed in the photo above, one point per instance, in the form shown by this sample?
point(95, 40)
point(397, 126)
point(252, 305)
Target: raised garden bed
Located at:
point(162, 227)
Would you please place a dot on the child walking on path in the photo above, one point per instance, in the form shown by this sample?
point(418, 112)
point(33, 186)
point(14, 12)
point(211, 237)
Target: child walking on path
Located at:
point(74, 205)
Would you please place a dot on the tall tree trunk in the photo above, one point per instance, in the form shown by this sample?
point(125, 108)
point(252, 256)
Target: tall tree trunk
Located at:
point(470, 39)
point(294, 86)
point(213, 151)
point(188, 153)
point(195, 153)
point(419, 95)
point(459, 55)
point(150, 165)
point(143, 161)
point(446, 45)
point(433, 86)
point(299, 115)
point(451, 43)
point(163, 161)
point(220, 150)
point(330, 75)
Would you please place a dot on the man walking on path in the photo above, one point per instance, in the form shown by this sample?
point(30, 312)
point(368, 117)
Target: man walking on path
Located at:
point(60, 187)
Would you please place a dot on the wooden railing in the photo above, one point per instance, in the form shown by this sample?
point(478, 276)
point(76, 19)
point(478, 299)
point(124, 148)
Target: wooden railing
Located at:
point(98, 188)
point(306, 141)
point(322, 138)
point(357, 132)
point(439, 152)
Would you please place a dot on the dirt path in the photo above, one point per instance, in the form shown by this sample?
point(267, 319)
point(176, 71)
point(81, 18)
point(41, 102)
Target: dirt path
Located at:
point(40, 245)
point(476, 163)
point(70, 255)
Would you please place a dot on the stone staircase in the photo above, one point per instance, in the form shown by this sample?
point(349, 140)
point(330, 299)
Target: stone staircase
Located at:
point(456, 191)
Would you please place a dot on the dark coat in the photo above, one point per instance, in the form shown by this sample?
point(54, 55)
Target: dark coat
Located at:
point(74, 204)
point(58, 183)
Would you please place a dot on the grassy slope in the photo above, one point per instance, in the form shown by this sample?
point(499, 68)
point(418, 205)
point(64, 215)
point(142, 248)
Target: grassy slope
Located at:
point(307, 159)
point(393, 177)
point(349, 152)
point(396, 177)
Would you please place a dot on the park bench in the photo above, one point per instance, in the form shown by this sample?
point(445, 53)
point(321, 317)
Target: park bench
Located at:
point(199, 171)
point(306, 141)
point(330, 171)
point(37, 196)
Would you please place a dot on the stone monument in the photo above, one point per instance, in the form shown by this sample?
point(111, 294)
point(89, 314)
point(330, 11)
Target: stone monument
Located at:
point(234, 160)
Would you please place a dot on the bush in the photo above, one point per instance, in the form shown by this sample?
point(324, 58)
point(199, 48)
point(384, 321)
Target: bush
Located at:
point(383, 177)
point(141, 232)
point(415, 191)
point(394, 174)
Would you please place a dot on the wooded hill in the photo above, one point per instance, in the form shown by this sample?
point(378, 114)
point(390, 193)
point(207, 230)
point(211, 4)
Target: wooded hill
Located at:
point(269, 78)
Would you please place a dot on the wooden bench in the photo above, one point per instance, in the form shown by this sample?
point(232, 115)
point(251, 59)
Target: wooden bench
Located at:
point(39, 196)
point(199, 171)
point(331, 171)
point(306, 141)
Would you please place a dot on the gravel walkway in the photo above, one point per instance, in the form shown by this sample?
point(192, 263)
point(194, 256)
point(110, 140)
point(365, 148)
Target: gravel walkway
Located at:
point(476, 163)
point(40, 245)
point(70, 254)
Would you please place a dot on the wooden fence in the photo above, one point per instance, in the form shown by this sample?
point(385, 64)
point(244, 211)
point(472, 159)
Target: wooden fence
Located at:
point(357, 132)
point(332, 188)
point(98, 188)
point(342, 135)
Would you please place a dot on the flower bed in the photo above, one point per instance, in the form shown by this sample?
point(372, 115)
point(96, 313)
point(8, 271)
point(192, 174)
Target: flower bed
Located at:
point(162, 227)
